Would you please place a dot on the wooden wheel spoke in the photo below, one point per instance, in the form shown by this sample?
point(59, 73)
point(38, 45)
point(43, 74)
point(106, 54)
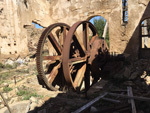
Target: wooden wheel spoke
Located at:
point(49, 56)
point(53, 58)
point(77, 60)
point(55, 43)
point(53, 73)
point(79, 45)
point(87, 77)
point(76, 54)
point(86, 35)
point(63, 33)
point(79, 76)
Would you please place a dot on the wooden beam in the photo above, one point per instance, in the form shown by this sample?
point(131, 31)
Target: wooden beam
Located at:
point(130, 93)
point(86, 106)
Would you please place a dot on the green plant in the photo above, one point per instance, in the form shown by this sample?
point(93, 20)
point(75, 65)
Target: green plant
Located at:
point(8, 66)
point(1, 81)
point(15, 65)
point(99, 24)
point(22, 92)
point(5, 75)
point(7, 89)
point(1, 65)
point(27, 94)
point(23, 71)
point(27, 97)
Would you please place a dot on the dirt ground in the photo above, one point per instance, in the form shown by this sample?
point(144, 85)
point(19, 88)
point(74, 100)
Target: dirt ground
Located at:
point(42, 100)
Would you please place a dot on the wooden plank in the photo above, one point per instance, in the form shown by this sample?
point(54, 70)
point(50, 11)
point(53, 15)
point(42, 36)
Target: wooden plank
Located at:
point(86, 106)
point(130, 93)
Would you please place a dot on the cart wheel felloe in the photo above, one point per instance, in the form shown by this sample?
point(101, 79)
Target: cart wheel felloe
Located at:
point(76, 55)
point(49, 56)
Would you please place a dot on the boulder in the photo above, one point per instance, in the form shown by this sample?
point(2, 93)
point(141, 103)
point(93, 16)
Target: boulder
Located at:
point(134, 75)
point(19, 107)
point(127, 72)
point(33, 105)
point(9, 62)
point(5, 85)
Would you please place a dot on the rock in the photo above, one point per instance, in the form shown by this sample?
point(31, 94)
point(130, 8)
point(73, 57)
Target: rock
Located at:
point(128, 83)
point(2, 105)
point(1, 101)
point(19, 61)
point(134, 75)
point(27, 59)
point(144, 74)
point(13, 100)
point(5, 84)
point(16, 89)
point(119, 74)
point(11, 93)
point(22, 65)
point(28, 80)
point(147, 80)
point(127, 72)
point(18, 107)
point(9, 62)
point(5, 95)
point(140, 112)
point(42, 111)
point(93, 110)
point(40, 103)
point(127, 57)
point(33, 105)
point(33, 99)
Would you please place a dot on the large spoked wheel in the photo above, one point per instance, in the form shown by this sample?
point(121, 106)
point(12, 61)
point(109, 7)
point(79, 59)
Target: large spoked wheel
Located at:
point(76, 55)
point(49, 56)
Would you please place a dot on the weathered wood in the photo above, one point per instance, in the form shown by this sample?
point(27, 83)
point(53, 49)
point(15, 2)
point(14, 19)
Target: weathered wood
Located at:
point(86, 106)
point(15, 81)
point(130, 93)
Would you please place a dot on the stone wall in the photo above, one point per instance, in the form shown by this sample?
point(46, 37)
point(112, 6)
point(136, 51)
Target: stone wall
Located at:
point(15, 14)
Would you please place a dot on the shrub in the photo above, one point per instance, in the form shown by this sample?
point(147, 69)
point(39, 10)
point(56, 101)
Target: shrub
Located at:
point(7, 89)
